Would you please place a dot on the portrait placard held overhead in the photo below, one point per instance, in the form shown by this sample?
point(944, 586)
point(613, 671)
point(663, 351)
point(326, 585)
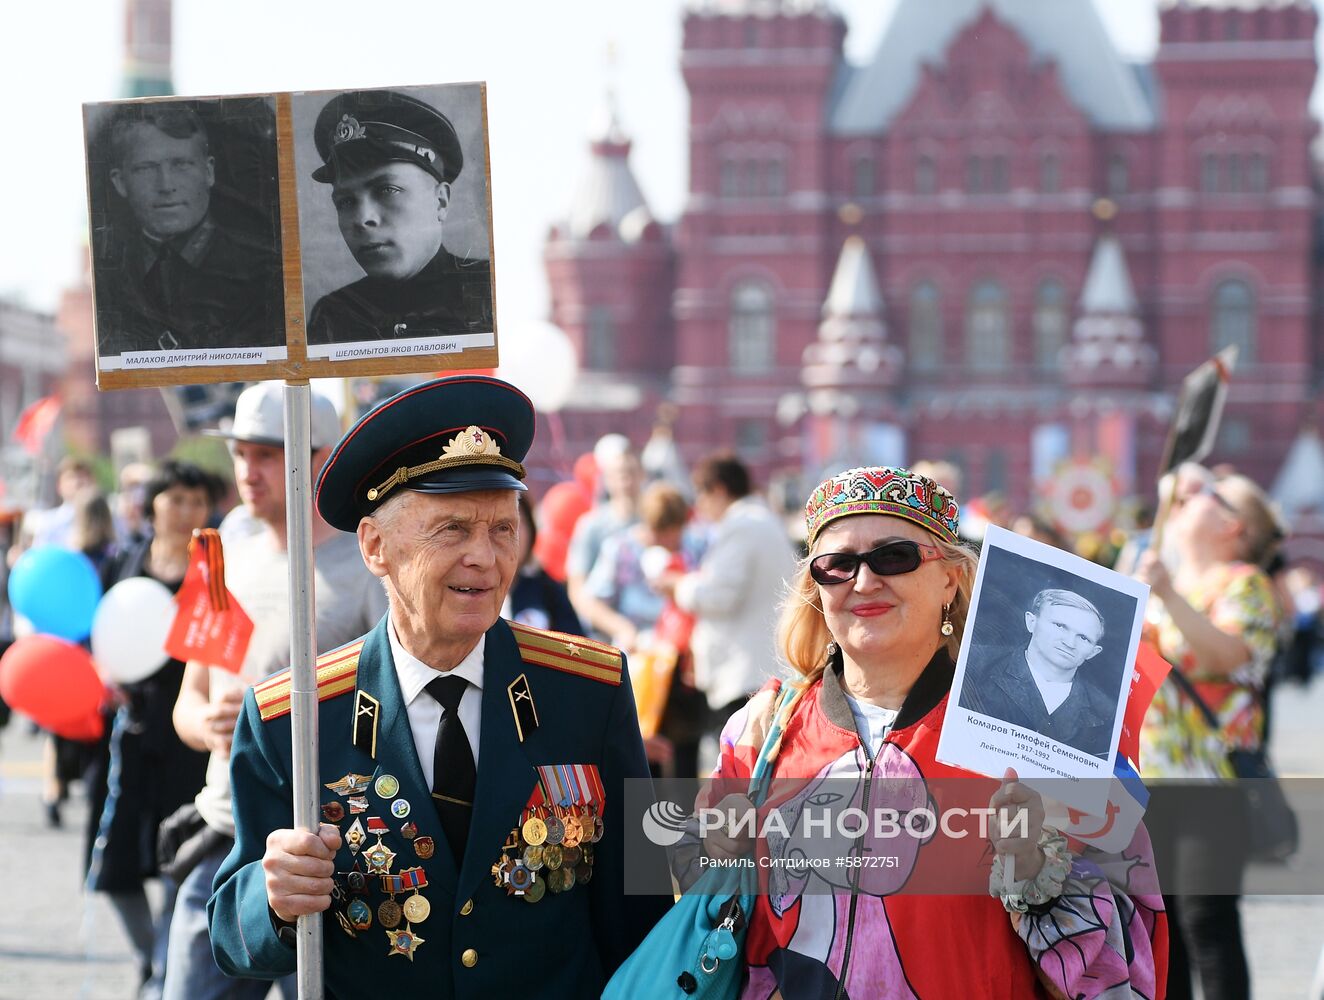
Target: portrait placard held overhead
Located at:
point(394, 220)
point(185, 233)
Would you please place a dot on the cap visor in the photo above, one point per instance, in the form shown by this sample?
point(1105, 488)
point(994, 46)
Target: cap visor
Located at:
point(466, 480)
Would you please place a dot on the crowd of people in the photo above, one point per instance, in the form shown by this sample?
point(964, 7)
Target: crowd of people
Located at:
point(718, 602)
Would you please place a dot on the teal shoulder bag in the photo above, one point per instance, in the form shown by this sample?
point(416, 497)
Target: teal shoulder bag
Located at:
point(695, 951)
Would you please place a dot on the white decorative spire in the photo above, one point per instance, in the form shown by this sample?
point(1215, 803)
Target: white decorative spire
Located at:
point(1108, 339)
point(1299, 488)
point(607, 193)
point(851, 356)
point(1108, 285)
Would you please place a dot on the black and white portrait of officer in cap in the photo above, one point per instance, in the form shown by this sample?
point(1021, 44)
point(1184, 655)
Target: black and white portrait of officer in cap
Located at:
point(185, 225)
point(413, 253)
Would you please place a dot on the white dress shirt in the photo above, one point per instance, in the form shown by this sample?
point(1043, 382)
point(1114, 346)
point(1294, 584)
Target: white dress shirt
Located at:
point(424, 711)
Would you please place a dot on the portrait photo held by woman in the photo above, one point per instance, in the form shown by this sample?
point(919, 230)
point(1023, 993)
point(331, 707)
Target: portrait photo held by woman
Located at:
point(1043, 677)
point(870, 630)
point(1214, 616)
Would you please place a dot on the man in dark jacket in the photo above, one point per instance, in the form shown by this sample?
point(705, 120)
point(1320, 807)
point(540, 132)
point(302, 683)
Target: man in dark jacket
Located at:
point(390, 161)
point(1037, 688)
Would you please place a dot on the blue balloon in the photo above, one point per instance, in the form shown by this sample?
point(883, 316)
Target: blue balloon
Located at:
point(57, 590)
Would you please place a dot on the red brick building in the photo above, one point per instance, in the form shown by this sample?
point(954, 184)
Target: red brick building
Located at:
point(996, 243)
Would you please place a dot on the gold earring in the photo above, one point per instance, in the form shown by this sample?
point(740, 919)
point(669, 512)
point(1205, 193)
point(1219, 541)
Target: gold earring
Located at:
point(947, 628)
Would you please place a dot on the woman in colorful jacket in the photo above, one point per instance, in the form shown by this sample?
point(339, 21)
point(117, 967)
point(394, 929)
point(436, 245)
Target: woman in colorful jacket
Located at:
point(872, 623)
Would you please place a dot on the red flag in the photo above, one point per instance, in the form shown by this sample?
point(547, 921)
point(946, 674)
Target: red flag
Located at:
point(35, 424)
point(1149, 672)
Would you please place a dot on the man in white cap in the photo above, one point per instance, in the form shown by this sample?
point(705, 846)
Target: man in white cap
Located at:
point(349, 601)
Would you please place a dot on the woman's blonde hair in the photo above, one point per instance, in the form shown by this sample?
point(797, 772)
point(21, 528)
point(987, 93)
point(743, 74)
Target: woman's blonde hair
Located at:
point(802, 631)
point(1262, 526)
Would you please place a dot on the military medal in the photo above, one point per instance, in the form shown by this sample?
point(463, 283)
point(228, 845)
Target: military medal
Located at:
point(518, 879)
point(350, 784)
point(555, 831)
point(400, 808)
point(333, 812)
point(358, 804)
point(388, 911)
point(501, 871)
point(386, 786)
point(424, 847)
point(583, 873)
point(409, 831)
point(536, 891)
point(416, 908)
point(379, 857)
point(354, 837)
point(533, 856)
point(360, 914)
point(403, 943)
point(571, 856)
point(534, 831)
point(574, 833)
point(552, 856)
point(597, 829)
point(345, 924)
point(357, 882)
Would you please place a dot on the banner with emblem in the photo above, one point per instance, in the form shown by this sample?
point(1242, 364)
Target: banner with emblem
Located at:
point(291, 235)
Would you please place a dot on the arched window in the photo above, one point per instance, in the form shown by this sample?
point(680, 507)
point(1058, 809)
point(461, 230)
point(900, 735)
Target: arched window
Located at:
point(1257, 173)
point(1050, 323)
point(987, 328)
point(774, 178)
point(996, 169)
point(729, 180)
point(752, 328)
point(974, 175)
point(1050, 174)
point(926, 175)
point(600, 340)
point(862, 176)
point(1119, 175)
point(1232, 319)
point(925, 327)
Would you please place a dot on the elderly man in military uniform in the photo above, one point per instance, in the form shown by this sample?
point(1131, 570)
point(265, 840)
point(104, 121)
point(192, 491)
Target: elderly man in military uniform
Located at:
point(177, 279)
point(472, 769)
point(390, 161)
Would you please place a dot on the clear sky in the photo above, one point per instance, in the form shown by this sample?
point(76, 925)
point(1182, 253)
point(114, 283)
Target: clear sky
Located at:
point(547, 66)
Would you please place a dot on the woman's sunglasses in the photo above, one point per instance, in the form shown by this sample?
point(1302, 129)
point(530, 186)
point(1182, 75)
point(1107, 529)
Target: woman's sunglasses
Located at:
point(891, 559)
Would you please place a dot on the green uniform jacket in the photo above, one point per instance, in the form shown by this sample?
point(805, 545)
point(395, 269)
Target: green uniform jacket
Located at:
point(478, 941)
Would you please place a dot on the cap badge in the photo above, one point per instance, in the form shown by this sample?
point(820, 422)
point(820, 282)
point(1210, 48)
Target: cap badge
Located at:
point(348, 129)
point(472, 441)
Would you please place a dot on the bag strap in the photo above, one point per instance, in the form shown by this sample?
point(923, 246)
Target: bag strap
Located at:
point(1185, 686)
point(772, 742)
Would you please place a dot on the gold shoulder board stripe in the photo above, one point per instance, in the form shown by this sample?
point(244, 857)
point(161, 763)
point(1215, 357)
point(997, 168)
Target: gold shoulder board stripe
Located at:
point(571, 654)
point(337, 674)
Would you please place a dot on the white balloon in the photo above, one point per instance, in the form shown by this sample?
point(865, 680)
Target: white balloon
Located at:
point(538, 358)
point(129, 629)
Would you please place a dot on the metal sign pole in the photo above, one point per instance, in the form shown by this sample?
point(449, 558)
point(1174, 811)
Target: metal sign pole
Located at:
point(303, 665)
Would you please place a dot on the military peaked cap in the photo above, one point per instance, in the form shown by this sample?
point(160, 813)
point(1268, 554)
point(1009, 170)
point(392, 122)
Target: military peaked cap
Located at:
point(450, 435)
point(361, 128)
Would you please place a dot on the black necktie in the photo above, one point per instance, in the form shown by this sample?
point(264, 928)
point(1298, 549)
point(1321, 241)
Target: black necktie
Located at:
point(453, 772)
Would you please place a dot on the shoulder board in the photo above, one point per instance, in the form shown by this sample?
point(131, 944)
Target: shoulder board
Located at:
point(571, 654)
point(337, 674)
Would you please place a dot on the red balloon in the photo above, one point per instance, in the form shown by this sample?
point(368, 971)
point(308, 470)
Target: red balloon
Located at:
point(551, 551)
point(87, 730)
point(52, 682)
point(586, 473)
point(561, 507)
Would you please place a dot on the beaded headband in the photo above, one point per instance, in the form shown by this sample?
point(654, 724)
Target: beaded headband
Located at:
point(881, 489)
